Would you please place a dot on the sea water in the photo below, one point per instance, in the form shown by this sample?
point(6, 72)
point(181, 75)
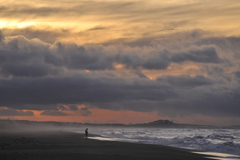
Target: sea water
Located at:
point(207, 140)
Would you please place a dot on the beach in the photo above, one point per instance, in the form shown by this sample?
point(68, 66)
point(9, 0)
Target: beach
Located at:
point(61, 145)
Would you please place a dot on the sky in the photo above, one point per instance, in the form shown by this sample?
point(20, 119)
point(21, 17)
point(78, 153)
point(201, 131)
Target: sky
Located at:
point(120, 61)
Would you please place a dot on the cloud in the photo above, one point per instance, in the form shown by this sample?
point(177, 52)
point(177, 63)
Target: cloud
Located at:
point(62, 108)
point(14, 112)
point(209, 104)
point(35, 106)
point(28, 70)
point(76, 21)
point(57, 55)
point(85, 112)
point(97, 28)
point(173, 25)
point(1, 36)
point(45, 33)
point(73, 108)
point(42, 60)
point(160, 61)
point(78, 89)
point(140, 74)
point(35, 75)
point(186, 80)
point(205, 55)
point(53, 113)
point(237, 74)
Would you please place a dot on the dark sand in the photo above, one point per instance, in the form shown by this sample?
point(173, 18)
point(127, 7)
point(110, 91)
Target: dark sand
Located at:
point(67, 145)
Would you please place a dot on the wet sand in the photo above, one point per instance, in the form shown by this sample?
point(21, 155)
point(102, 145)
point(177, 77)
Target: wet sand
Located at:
point(67, 145)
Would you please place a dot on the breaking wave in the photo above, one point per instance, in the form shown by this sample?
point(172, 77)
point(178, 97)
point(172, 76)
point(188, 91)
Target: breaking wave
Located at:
point(208, 140)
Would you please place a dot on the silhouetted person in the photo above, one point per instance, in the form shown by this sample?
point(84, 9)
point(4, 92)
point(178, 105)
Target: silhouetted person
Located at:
point(86, 132)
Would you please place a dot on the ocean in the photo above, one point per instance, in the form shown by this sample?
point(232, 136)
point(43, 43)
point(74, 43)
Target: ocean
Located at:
point(205, 140)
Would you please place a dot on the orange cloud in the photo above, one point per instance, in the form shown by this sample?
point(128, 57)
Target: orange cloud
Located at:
point(98, 115)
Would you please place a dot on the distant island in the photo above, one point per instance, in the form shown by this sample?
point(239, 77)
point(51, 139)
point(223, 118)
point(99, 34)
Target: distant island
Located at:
point(159, 122)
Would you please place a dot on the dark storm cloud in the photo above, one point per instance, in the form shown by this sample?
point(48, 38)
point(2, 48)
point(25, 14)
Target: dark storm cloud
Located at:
point(237, 74)
point(140, 74)
point(62, 108)
point(215, 70)
point(29, 70)
point(53, 113)
point(35, 106)
point(85, 112)
point(79, 58)
point(206, 103)
point(205, 55)
point(78, 89)
point(39, 76)
point(186, 80)
point(228, 43)
point(24, 58)
point(14, 112)
point(73, 108)
point(1, 36)
point(226, 105)
point(160, 61)
point(25, 61)
point(21, 57)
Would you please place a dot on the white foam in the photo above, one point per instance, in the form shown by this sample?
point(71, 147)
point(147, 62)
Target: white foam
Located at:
point(219, 156)
point(111, 139)
point(207, 140)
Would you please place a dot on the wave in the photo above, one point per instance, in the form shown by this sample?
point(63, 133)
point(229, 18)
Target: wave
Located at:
point(208, 140)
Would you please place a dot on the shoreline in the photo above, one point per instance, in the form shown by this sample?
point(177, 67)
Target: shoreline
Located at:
point(63, 145)
point(212, 155)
